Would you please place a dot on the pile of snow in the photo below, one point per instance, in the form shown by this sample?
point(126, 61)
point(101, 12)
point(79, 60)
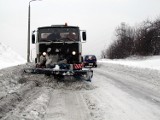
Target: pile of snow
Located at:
point(151, 62)
point(8, 57)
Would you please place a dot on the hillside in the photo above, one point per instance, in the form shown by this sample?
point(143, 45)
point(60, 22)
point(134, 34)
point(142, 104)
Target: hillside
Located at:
point(8, 57)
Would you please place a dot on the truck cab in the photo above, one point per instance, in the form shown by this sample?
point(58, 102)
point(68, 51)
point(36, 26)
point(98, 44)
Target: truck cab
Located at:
point(65, 42)
point(67, 39)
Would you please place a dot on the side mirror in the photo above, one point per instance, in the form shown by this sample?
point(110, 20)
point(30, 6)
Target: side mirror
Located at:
point(33, 38)
point(84, 36)
point(35, 60)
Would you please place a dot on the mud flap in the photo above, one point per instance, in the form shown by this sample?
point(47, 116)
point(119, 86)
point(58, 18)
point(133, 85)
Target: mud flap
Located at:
point(88, 76)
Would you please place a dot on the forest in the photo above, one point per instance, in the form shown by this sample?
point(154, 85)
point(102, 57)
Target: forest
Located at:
point(142, 40)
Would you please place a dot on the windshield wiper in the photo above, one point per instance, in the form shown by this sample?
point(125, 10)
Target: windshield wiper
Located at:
point(46, 41)
point(66, 39)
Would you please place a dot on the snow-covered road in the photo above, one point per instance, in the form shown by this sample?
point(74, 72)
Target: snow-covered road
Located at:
point(116, 92)
point(119, 94)
point(127, 94)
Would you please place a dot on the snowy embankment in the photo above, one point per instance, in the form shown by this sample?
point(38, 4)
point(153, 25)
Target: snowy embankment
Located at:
point(150, 62)
point(22, 96)
point(9, 58)
point(19, 92)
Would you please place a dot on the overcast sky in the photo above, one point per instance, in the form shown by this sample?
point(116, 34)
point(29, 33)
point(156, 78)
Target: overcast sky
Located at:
point(98, 17)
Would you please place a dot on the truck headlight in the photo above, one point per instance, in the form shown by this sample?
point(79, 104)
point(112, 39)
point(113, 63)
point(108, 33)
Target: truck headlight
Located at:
point(73, 52)
point(44, 53)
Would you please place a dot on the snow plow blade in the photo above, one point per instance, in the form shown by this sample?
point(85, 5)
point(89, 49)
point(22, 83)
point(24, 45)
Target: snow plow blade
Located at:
point(84, 74)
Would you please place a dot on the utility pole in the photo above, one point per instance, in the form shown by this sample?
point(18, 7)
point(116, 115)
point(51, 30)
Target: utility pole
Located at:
point(28, 45)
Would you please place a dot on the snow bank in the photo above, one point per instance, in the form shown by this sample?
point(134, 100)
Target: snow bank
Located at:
point(8, 57)
point(151, 62)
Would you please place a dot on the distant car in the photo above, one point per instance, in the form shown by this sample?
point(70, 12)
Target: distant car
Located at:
point(90, 60)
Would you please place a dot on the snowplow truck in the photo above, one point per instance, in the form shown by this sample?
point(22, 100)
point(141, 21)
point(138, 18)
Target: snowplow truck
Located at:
point(65, 42)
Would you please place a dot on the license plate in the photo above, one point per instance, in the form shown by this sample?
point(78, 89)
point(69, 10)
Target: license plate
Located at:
point(90, 63)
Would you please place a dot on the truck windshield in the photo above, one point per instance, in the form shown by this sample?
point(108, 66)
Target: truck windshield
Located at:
point(58, 34)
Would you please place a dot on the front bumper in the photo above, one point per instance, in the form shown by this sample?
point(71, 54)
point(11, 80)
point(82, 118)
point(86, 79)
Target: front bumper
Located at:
point(87, 74)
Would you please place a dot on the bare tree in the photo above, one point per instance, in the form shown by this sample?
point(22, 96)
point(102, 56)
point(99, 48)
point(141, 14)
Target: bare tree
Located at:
point(141, 40)
point(122, 47)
